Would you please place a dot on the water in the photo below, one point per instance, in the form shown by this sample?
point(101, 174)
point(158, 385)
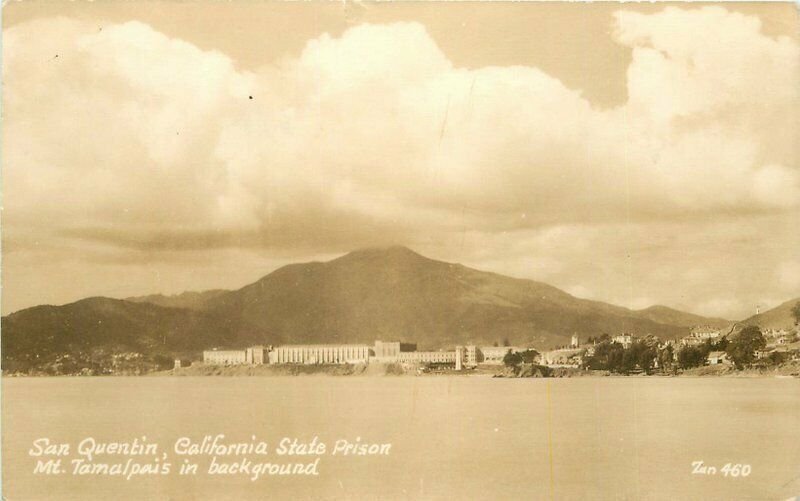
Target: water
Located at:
point(452, 437)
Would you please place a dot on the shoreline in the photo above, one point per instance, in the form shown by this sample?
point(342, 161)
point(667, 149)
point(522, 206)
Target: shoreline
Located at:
point(784, 371)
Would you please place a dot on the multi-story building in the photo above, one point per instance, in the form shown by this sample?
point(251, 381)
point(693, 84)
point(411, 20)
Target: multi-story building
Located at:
point(224, 357)
point(471, 355)
point(389, 351)
point(495, 354)
point(320, 354)
point(256, 355)
point(386, 350)
point(429, 357)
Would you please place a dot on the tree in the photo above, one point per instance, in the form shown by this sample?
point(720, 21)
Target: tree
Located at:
point(776, 358)
point(796, 312)
point(651, 341)
point(720, 344)
point(645, 355)
point(506, 342)
point(741, 349)
point(163, 361)
point(512, 359)
point(529, 356)
point(629, 359)
point(607, 356)
point(665, 358)
point(691, 356)
point(640, 354)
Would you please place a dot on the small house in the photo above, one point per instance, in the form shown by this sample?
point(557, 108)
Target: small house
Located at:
point(718, 357)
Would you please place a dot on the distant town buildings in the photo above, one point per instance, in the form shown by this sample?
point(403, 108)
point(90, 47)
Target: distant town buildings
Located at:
point(762, 354)
point(564, 357)
point(700, 334)
point(626, 340)
point(779, 336)
point(704, 332)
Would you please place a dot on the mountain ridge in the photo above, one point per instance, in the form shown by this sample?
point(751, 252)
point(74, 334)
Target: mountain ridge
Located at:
point(374, 293)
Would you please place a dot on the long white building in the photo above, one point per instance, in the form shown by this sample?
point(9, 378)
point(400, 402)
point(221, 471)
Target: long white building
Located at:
point(495, 354)
point(255, 355)
point(224, 357)
point(320, 354)
point(380, 352)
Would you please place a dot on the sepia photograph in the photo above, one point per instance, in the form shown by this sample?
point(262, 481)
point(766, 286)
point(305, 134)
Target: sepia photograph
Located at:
point(400, 250)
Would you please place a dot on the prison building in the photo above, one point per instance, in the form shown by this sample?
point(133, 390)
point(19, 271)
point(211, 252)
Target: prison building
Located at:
point(389, 351)
point(429, 357)
point(256, 355)
point(494, 355)
point(320, 354)
point(225, 357)
point(386, 351)
point(470, 355)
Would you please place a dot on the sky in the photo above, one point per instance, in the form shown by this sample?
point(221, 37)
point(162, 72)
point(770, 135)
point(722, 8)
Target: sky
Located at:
point(637, 154)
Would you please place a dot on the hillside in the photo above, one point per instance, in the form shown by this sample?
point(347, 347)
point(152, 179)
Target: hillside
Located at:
point(389, 293)
point(189, 300)
point(779, 317)
point(666, 315)
point(93, 329)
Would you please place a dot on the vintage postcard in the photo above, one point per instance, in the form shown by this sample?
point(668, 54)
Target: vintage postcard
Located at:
point(400, 250)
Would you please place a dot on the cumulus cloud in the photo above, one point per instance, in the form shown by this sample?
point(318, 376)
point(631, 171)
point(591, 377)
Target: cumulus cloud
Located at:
point(129, 138)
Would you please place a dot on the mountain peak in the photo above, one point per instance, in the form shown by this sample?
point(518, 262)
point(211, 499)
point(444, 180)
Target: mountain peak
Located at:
point(388, 252)
point(658, 307)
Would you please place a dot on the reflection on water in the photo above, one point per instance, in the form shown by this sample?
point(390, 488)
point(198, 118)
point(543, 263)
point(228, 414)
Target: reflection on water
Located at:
point(452, 437)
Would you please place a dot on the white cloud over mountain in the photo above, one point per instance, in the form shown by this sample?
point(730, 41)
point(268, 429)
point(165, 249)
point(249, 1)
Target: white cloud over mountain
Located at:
point(134, 140)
